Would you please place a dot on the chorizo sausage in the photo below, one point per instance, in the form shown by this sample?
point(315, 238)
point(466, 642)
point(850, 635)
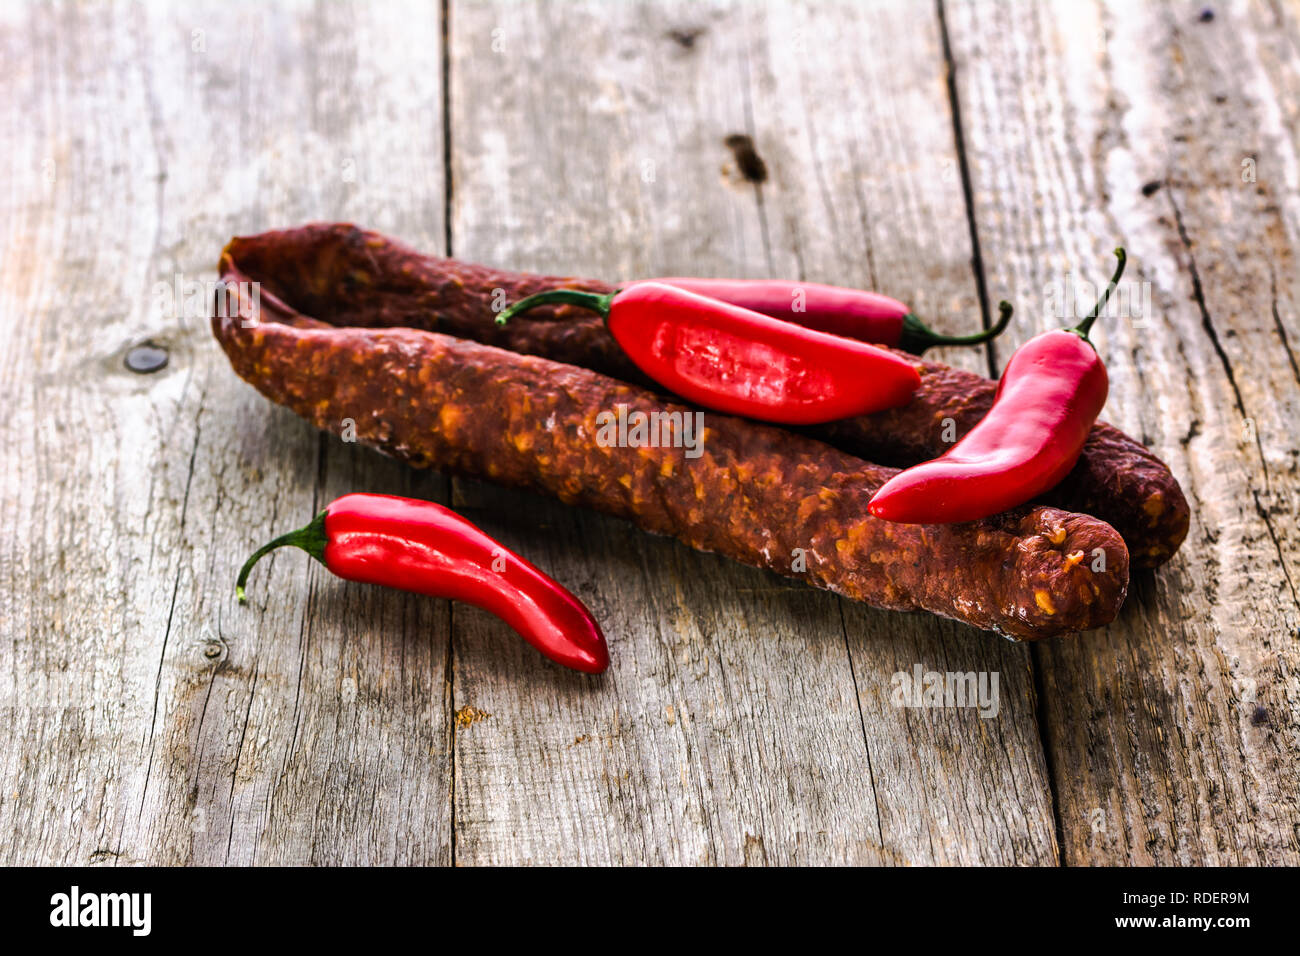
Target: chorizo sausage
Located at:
point(351, 277)
point(758, 494)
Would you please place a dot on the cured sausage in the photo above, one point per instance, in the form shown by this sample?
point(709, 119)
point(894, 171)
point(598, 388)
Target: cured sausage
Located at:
point(762, 495)
point(352, 277)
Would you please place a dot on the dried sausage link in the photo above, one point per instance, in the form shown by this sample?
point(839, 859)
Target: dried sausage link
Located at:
point(347, 276)
point(758, 494)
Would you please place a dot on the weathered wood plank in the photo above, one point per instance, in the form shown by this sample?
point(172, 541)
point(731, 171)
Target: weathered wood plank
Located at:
point(667, 758)
point(743, 720)
point(1173, 735)
point(151, 718)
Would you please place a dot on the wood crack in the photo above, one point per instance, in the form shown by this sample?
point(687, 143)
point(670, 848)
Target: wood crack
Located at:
point(1281, 329)
point(1277, 545)
point(862, 720)
point(1037, 668)
point(447, 172)
point(1207, 323)
point(968, 192)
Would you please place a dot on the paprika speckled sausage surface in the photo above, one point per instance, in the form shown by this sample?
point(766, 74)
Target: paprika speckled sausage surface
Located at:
point(755, 493)
point(352, 277)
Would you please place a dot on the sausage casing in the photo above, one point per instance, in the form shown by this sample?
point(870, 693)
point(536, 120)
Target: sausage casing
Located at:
point(351, 277)
point(758, 494)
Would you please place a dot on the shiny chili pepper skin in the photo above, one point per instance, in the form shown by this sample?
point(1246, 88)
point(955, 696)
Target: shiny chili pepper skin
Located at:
point(1051, 393)
point(852, 313)
point(423, 547)
point(742, 362)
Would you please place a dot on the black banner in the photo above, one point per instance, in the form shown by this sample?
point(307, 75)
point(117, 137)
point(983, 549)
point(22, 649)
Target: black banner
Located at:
point(335, 906)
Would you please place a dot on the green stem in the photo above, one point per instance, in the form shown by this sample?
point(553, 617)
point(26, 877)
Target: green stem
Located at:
point(310, 538)
point(1082, 328)
point(587, 300)
point(917, 337)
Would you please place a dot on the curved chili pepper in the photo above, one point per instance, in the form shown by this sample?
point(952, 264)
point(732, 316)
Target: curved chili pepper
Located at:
point(742, 362)
point(1051, 392)
point(423, 547)
point(852, 313)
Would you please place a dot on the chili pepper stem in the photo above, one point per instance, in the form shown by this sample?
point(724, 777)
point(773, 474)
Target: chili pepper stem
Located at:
point(917, 337)
point(1082, 328)
point(586, 300)
point(310, 538)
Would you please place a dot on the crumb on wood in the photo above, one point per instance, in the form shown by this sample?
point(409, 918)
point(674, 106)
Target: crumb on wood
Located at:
point(468, 715)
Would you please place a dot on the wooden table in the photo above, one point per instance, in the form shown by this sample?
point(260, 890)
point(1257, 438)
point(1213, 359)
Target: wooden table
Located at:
point(947, 154)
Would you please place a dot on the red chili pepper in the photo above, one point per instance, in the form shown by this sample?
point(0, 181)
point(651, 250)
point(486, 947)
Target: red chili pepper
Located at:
point(1051, 392)
point(742, 362)
point(852, 313)
point(423, 547)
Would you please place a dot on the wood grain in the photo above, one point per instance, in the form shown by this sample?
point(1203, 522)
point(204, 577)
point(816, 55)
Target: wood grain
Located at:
point(947, 155)
point(153, 720)
point(743, 720)
point(1173, 735)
